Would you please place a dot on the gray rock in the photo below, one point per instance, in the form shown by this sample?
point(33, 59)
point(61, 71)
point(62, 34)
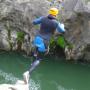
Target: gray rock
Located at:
point(19, 15)
point(77, 22)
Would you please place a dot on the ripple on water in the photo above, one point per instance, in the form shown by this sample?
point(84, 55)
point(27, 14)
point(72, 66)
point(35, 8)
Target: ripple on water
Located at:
point(62, 88)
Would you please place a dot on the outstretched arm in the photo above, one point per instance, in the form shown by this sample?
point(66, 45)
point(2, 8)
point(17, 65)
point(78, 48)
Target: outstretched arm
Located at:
point(37, 21)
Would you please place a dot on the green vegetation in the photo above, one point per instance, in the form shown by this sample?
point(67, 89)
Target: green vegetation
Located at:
point(61, 42)
point(20, 39)
point(20, 36)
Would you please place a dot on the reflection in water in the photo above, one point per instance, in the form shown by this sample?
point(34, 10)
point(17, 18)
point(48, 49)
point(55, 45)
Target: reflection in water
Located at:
point(60, 87)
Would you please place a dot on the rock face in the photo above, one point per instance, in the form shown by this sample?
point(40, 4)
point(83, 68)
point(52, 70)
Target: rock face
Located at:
point(77, 21)
point(19, 15)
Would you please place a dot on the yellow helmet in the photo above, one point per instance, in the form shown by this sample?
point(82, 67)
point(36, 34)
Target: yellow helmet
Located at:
point(53, 11)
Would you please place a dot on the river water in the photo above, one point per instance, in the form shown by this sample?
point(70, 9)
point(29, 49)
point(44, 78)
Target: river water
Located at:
point(51, 74)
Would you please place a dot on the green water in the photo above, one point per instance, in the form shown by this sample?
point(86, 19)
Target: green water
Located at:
point(50, 75)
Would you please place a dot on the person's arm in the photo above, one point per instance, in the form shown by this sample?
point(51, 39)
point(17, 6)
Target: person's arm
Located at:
point(60, 28)
point(37, 21)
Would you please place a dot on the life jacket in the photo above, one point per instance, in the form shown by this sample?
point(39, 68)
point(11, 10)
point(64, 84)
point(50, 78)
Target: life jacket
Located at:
point(48, 25)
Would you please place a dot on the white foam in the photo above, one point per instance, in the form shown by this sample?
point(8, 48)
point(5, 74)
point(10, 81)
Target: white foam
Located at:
point(10, 77)
point(34, 86)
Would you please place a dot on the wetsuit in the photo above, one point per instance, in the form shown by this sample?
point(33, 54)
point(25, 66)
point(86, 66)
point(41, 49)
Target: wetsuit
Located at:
point(34, 65)
point(48, 25)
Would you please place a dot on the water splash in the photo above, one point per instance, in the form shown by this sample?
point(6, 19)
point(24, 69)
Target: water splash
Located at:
point(8, 76)
point(34, 86)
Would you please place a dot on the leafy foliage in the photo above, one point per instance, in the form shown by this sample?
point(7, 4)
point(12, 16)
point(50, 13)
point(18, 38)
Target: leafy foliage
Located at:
point(60, 43)
point(20, 36)
point(20, 39)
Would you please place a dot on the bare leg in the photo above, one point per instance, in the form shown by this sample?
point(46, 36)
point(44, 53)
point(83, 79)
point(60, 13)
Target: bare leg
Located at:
point(26, 77)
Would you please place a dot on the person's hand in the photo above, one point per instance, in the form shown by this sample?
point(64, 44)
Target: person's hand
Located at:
point(47, 51)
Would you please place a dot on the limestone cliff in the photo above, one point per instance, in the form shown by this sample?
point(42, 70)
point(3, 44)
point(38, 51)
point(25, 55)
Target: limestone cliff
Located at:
point(17, 15)
point(77, 21)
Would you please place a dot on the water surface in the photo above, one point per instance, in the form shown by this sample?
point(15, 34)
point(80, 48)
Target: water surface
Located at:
point(52, 74)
